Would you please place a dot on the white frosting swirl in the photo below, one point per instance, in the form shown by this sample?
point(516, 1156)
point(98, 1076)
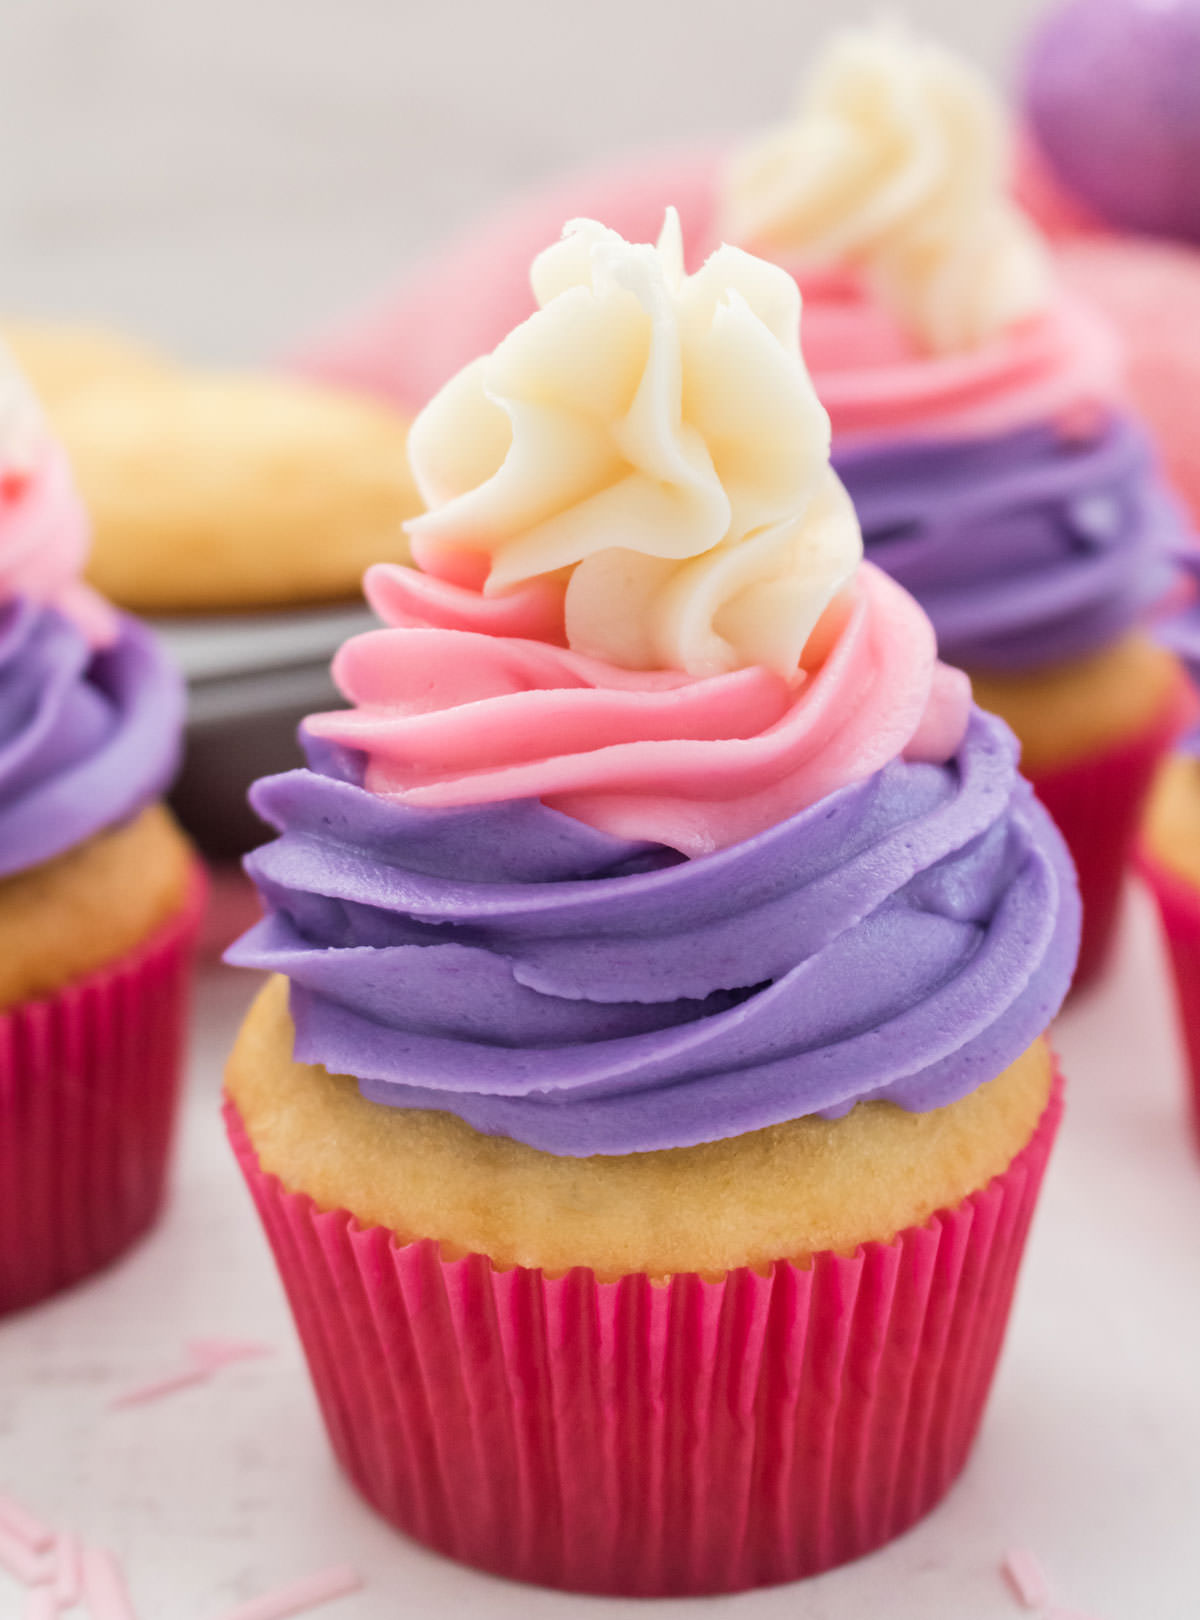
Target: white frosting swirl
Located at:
point(653, 441)
point(897, 166)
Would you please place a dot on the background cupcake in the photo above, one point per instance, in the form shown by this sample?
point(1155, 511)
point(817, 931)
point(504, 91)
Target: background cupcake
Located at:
point(669, 944)
point(98, 890)
point(979, 425)
point(1171, 849)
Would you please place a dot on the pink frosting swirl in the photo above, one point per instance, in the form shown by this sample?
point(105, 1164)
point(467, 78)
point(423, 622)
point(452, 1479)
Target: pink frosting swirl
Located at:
point(456, 704)
point(1059, 366)
point(44, 541)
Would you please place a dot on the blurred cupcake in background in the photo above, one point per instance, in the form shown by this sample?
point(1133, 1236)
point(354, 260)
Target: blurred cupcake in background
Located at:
point(979, 424)
point(979, 417)
point(99, 892)
point(1113, 128)
point(662, 946)
point(1171, 848)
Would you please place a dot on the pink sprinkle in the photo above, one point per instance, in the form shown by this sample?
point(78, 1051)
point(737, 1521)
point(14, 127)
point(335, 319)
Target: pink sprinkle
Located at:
point(13, 484)
point(68, 1570)
point(24, 1525)
point(1027, 1578)
point(161, 1386)
point(104, 1586)
point(214, 1354)
point(299, 1596)
point(21, 1562)
point(40, 1604)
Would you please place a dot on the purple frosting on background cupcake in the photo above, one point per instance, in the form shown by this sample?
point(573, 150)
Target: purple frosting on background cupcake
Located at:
point(87, 737)
point(905, 938)
point(1027, 549)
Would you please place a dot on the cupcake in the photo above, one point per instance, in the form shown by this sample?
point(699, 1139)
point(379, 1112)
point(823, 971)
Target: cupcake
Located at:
point(652, 1068)
point(99, 896)
point(979, 422)
point(1114, 123)
point(1171, 845)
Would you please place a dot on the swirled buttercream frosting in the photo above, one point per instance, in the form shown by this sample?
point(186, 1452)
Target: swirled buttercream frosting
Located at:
point(742, 850)
point(896, 166)
point(88, 735)
point(1025, 549)
point(904, 938)
point(649, 445)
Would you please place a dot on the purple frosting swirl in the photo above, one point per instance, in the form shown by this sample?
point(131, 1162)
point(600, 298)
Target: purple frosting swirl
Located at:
point(906, 939)
point(87, 737)
point(1026, 549)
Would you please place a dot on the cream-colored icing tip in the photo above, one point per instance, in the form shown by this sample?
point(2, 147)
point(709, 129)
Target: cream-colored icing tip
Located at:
point(653, 441)
point(896, 166)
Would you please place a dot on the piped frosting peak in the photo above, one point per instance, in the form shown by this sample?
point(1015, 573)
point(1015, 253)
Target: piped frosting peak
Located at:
point(647, 450)
point(896, 168)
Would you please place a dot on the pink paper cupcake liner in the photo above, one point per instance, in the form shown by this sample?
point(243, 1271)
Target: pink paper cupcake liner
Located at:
point(1179, 908)
point(89, 1080)
point(1098, 804)
point(631, 1437)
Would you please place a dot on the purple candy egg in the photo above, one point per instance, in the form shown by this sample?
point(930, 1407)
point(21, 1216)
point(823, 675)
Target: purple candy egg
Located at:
point(1112, 93)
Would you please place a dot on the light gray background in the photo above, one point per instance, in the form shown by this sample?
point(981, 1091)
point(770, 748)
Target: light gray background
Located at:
point(225, 175)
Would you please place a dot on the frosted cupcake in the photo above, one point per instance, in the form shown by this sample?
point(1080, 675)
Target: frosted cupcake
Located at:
point(98, 892)
point(979, 425)
point(662, 942)
point(977, 409)
point(1171, 848)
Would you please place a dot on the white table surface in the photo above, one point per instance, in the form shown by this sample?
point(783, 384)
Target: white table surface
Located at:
point(1090, 1454)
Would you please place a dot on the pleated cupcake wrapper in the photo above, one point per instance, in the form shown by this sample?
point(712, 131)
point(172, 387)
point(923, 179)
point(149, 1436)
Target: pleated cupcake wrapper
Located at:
point(1179, 907)
point(682, 1437)
point(89, 1081)
point(1097, 803)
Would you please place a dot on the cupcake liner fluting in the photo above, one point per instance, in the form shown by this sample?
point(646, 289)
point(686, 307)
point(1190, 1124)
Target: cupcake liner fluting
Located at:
point(641, 1437)
point(89, 1082)
point(1098, 803)
point(1179, 907)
